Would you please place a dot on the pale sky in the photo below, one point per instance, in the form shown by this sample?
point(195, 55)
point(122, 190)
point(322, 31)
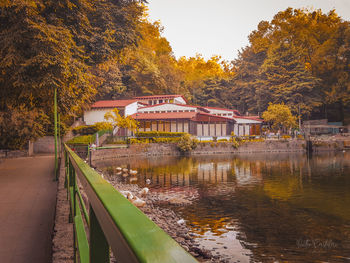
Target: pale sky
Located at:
point(222, 27)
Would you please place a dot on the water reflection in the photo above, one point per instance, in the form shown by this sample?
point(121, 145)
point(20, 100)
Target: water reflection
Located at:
point(260, 208)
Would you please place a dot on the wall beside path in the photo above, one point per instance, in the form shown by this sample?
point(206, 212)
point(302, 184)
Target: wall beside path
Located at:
point(45, 144)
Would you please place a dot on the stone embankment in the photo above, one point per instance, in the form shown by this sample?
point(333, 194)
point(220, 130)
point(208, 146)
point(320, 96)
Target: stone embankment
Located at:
point(158, 209)
point(201, 149)
point(208, 148)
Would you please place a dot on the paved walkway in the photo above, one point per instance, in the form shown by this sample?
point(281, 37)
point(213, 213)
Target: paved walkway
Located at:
point(27, 208)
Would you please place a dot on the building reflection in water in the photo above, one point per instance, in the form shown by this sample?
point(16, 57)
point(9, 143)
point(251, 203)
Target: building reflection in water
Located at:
point(258, 206)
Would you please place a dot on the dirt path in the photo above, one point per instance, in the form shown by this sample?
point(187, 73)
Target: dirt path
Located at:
point(27, 208)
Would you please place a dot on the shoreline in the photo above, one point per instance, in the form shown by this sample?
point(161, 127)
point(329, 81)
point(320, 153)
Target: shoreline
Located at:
point(158, 208)
point(217, 148)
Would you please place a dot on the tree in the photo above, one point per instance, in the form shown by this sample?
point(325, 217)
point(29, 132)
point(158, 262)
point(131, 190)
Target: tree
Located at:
point(280, 116)
point(48, 45)
point(121, 121)
point(306, 48)
point(285, 79)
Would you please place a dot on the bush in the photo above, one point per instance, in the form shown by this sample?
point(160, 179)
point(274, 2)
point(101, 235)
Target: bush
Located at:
point(85, 130)
point(286, 137)
point(235, 143)
point(222, 140)
point(83, 139)
point(101, 127)
point(187, 143)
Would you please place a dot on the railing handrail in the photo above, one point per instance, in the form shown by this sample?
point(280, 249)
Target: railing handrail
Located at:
point(132, 236)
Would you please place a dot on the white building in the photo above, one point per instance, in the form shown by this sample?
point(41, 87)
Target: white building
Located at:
point(158, 99)
point(100, 108)
point(172, 113)
point(244, 125)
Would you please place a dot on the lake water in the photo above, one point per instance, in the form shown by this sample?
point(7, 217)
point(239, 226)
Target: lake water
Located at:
point(259, 207)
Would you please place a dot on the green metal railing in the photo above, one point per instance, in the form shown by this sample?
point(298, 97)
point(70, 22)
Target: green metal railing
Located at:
point(112, 222)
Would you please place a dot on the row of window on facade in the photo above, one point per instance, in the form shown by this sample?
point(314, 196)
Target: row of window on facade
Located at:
point(201, 128)
point(166, 111)
point(154, 102)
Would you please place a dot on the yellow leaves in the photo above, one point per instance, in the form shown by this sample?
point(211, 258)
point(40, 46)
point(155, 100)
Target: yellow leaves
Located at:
point(280, 116)
point(308, 66)
point(120, 121)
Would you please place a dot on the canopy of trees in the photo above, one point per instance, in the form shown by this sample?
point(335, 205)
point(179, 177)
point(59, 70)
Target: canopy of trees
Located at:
point(300, 58)
point(60, 44)
point(90, 50)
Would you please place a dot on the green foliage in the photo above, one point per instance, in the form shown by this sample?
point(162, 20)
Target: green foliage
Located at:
point(83, 139)
point(235, 143)
point(120, 121)
point(85, 129)
point(280, 116)
point(301, 58)
point(19, 125)
point(59, 44)
point(187, 143)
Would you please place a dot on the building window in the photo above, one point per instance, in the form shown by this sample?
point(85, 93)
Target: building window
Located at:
point(160, 101)
point(150, 102)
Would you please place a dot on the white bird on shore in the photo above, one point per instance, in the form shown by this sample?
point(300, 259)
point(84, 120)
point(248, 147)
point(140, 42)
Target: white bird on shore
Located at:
point(148, 181)
point(133, 179)
point(127, 194)
point(133, 172)
point(119, 173)
point(125, 175)
point(181, 222)
point(125, 170)
point(119, 169)
point(144, 191)
point(138, 202)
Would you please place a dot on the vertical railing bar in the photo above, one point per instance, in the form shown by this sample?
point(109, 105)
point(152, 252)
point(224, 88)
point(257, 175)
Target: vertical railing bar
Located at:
point(81, 201)
point(99, 247)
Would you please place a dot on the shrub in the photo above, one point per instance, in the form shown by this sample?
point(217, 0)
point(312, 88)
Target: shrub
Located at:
point(85, 130)
point(83, 139)
point(286, 137)
point(235, 143)
point(222, 140)
point(187, 143)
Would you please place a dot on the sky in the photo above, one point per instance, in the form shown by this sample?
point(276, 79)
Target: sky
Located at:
point(221, 27)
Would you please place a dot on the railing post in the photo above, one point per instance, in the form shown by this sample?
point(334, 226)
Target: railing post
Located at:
point(99, 248)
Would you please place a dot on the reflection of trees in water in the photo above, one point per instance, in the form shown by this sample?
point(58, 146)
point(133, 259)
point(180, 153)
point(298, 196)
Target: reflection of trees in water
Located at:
point(274, 200)
point(269, 228)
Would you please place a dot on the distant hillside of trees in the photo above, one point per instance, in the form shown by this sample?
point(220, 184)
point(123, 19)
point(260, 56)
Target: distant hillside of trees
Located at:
point(92, 50)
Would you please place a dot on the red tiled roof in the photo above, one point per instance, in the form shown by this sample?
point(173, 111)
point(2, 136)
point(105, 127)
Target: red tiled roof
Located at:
point(164, 115)
point(255, 118)
point(183, 105)
point(223, 109)
point(112, 103)
point(159, 96)
point(195, 116)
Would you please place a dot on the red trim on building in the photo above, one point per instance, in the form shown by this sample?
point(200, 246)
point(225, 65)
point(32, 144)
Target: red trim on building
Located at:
point(254, 118)
point(112, 103)
point(194, 116)
point(182, 105)
point(164, 115)
point(223, 109)
point(171, 96)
